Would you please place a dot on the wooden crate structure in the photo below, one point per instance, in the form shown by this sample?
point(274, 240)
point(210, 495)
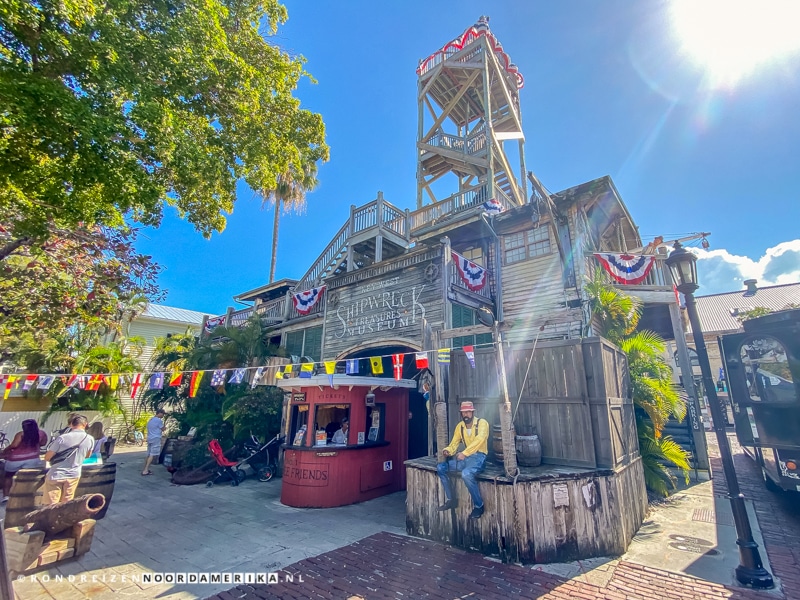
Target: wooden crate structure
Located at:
point(587, 499)
point(576, 398)
point(28, 551)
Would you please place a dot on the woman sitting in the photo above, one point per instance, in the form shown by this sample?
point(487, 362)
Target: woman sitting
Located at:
point(96, 431)
point(23, 452)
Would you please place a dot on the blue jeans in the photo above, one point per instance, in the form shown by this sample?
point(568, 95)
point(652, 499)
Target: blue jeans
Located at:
point(469, 468)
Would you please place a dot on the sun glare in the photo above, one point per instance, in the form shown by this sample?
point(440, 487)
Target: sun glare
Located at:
point(731, 39)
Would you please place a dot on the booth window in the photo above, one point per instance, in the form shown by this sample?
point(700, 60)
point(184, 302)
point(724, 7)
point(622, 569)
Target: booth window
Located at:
point(298, 419)
point(375, 426)
point(329, 418)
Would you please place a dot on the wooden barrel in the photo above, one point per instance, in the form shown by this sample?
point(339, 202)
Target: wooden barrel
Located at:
point(529, 450)
point(25, 496)
point(497, 444)
point(98, 479)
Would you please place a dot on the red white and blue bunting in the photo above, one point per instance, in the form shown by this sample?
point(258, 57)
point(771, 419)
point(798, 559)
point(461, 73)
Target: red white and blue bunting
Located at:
point(474, 276)
point(212, 324)
point(626, 268)
point(305, 301)
point(493, 206)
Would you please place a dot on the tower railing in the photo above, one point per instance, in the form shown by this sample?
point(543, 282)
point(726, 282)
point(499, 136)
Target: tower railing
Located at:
point(456, 204)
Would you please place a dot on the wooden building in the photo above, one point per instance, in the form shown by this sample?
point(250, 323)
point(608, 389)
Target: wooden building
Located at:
point(481, 257)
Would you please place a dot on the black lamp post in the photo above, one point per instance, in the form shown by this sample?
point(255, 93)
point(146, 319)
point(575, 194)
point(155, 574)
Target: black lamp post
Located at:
point(750, 571)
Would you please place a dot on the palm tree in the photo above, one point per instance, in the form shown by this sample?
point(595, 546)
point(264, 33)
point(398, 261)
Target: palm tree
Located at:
point(654, 396)
point(288, 196)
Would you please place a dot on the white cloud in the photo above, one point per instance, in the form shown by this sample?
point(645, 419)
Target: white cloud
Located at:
point(720, 271)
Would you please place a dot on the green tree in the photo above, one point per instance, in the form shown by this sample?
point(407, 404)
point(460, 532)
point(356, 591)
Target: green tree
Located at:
point(115, 109)
point(228, 412)
point(654, 396)
point(78, 285)
point(289, 195)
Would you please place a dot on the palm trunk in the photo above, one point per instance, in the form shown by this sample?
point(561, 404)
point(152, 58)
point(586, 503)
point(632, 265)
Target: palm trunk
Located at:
point(274, 259)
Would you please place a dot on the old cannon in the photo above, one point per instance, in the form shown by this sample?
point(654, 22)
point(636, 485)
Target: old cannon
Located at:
point(53, 533)
point(56, 518)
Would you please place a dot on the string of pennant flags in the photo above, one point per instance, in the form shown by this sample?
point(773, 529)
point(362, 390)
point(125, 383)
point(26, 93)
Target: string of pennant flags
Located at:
point(158, 380)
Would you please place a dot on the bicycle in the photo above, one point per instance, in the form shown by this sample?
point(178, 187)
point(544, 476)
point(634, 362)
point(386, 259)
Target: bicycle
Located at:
point(4, 441)
point(131, 435)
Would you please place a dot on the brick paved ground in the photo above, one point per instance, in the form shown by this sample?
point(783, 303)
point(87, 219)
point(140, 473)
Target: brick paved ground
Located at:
point(387, 566)
point(778, 515)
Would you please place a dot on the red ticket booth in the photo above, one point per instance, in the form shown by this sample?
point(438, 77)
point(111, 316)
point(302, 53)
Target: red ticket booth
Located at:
point(367, 463)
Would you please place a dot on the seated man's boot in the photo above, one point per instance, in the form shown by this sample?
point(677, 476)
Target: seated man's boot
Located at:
point(477, 512)
point(448, 505)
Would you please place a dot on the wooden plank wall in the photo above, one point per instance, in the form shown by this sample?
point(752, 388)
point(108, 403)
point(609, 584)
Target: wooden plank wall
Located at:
point(541, 521)
point(575, 397)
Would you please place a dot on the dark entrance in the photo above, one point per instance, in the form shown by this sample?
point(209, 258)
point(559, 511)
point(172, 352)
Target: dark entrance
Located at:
point(417, 404)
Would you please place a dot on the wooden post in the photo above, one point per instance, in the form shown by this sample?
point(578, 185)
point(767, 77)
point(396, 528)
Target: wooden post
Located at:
point(228, 314)
point(506, 418)
point(408, 225)
point(351, 227)
point(442, 430)
point(6, 589)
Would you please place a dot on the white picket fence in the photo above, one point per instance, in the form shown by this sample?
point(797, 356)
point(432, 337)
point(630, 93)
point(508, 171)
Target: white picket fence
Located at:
point(11, 422)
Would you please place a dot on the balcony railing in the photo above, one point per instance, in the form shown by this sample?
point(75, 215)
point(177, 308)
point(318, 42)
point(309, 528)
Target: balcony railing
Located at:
point(658, 277)
point(377, 213)
point(457, 203)
point(454, 277)
point(475, 143)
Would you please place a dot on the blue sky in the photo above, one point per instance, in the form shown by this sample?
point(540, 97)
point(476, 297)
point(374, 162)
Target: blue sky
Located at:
point(609, 90)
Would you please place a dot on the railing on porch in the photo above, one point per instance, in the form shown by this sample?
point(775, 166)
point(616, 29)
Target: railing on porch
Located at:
point(658, 277)
point(454, 277)
point(274, 311)
point(457, 203)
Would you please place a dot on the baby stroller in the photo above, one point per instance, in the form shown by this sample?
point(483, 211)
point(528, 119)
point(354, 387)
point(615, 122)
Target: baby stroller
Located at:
point(263, 458)
point(226, 470)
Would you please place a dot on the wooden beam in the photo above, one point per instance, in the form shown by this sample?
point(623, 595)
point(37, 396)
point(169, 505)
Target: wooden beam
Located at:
point(451, 105)
point(430, 108)
point(449, 334)
point(508, 171)
point(506, 93)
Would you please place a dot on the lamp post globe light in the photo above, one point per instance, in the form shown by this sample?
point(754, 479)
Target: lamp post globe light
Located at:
point(683, 266)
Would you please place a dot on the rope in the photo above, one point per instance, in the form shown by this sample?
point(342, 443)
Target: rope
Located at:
point(530, 361)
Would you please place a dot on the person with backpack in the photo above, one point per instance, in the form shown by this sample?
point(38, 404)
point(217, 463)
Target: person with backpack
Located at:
point(66, 454)
point(474, 435)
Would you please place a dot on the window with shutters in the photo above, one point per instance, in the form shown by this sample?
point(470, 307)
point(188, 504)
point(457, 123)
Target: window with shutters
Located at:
point(465, 317)
point(305, 342)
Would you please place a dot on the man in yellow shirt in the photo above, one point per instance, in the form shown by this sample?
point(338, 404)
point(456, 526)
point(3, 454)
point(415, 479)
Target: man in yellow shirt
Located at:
point(473, 434)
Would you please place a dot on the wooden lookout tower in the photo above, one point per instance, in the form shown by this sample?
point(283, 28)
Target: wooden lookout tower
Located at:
point(468, 104)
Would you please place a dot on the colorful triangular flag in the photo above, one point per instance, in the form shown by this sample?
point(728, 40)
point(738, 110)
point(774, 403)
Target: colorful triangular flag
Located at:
point(330, 369)
point(136, 384)
point(218, 377)
point(176, 378)
point(351, 366)
point(94, 383)
point(397, 366)
point(443, 356)
point(470, 352)
point(306, 370)
point(156, 381)
point(238, 376)
point(422, 360)
point(10, 381)
point(45, 382)
point(376, 362)
point(257, 376)
point(29, 381)
point(194, 383)
point(112, 381)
